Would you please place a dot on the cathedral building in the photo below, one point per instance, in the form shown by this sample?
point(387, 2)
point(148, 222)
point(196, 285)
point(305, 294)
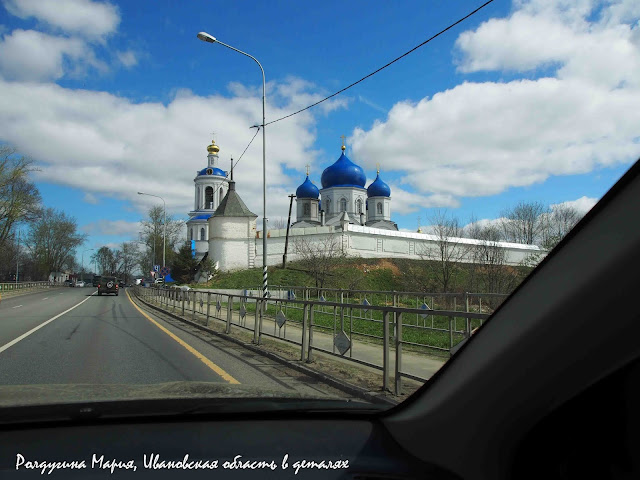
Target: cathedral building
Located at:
point(355, 218)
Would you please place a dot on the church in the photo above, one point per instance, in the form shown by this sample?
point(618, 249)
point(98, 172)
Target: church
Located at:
point(355, 219)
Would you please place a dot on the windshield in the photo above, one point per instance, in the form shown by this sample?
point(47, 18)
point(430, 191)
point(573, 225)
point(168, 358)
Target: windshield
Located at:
point(237, 236)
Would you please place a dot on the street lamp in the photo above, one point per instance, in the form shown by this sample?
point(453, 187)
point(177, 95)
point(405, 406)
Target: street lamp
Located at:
point(164, 235)
point(205, 37)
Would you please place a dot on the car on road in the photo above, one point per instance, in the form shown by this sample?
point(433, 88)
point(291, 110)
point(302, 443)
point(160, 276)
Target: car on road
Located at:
point(108, 285)
point(68, 283)
point(80, 283)
point(96, 281)
point(158, 280)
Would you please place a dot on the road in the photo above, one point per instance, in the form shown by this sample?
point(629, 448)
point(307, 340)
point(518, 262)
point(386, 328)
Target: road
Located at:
point(73, 336)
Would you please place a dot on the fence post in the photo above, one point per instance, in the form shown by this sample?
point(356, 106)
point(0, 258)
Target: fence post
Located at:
point(385, 350)
point(468, 321)
point(193, 305)
point(395, 315)
point(304, 327)
point(309, 356)
point(450, 334)
point(398, 377)
point(256, 323)
point(208, 305)
point(182, 295)
point(229, 312)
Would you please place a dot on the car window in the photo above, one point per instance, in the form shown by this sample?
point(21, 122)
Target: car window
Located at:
point(351, 204)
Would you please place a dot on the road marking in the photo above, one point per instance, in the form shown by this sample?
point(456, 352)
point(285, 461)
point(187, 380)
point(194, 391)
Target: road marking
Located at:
point(17, 306)
point(25, 335)
point(45, 298)
point(195, 352)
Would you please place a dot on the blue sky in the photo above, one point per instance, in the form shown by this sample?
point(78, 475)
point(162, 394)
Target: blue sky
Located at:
point(531, 100)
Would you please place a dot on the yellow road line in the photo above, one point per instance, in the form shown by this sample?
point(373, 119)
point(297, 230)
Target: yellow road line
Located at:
point(200, 356)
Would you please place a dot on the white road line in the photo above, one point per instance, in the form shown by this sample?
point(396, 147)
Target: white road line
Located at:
point(25, 335)
point(17, 306)
point(45, 298)
point(61, 294)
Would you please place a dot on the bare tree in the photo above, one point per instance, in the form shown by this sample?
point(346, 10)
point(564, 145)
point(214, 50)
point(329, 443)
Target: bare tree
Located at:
point(279, 223)
point(152, 235)
point(557, 224)
point(524, 222)
point(446, 255)
point(318, 257)
point(52, 239)
point(490, 260)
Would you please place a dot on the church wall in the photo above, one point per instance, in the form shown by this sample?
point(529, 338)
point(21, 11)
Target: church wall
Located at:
point(368, 242)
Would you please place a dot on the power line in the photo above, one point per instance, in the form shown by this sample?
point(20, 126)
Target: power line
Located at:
point(384, 66)
point(246, 148)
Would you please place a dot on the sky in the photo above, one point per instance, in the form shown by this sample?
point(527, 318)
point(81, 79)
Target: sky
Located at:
point(524, 101)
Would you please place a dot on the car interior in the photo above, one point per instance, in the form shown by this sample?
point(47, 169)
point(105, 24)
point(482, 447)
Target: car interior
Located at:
point(546, 388)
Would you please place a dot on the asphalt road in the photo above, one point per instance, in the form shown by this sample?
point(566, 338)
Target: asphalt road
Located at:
point(73, 336)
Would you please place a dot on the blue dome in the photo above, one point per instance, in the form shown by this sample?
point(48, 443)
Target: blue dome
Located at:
point(307, 190)
point(204, 216)
point(378, 188)
point(343, 173)
point(214, 171)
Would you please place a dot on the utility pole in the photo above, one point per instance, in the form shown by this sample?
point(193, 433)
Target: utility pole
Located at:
point(17, 255)
point(286, 241)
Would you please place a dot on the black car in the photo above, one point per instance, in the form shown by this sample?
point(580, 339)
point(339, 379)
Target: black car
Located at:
point(108, 285)
point(96, 280)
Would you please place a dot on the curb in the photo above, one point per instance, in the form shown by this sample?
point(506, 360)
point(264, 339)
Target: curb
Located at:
point(332, 381)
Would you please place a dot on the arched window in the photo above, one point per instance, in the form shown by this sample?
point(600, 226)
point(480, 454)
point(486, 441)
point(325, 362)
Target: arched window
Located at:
point(220, 196)
point(359, 206)
point(343, 204)
point(191, 234)
point(328, 205)
point(202, 234)
point(198, 198)
point(379, 207)
point(208, 197)
point(306, 209)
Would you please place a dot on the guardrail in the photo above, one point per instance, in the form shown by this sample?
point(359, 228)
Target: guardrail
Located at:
point(13, 286)
point(336, 324)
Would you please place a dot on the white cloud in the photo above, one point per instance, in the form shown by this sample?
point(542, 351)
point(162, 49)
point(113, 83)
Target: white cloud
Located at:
point(127, 58)
point(85, 17)
point(113, 227)
point(28, 55)
point(105, 144)
point(582, 204)
point(91, 198)
point(482, 138)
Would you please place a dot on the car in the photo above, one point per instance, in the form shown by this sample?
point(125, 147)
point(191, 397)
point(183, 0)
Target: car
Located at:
point(108, 285)
point(80, 283)
point(158, 280)
point(95, 281)
point(68, 283)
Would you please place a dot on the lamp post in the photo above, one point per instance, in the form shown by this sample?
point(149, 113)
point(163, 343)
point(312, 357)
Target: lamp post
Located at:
point(164, 235)
point(205, 37)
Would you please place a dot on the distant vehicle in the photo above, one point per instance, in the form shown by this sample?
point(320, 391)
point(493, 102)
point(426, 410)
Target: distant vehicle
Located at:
point(68, 283)
point(108, 285)
point(159, 280)
point(96, 280)
point(80, 283)
point(121, 284)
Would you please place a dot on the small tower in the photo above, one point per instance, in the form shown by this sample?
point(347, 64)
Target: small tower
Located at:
point(307, 203)
point(233, 232)
point(379, 204)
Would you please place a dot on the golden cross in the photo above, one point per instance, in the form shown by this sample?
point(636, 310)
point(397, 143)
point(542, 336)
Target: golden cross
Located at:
point(343, 138)
point(213, 135)
point(308, 166)
point(377, 168)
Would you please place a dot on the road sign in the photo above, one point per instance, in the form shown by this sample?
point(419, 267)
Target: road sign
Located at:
point(156, 268)
point(164, 271)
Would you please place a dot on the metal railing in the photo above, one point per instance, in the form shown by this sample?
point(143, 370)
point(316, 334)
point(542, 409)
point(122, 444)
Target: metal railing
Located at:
point(339, 326)
point(7, 287)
